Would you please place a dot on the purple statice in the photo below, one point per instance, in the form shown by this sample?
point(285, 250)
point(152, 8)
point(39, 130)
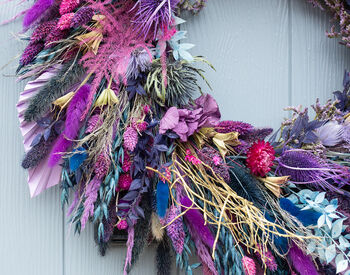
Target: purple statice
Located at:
point(228, 126)
point(82, 17)
point(330, 134)
point(140, 62)
point(303, 167)
point(175, 230)
point(209, 155)
point(153, 15)
point(43, 30)
point(30, 52)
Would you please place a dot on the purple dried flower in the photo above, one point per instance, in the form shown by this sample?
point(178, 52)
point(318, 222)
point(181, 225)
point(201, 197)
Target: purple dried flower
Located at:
point(330, 134)
point(257, 134)
point(228, 126)
point(175, 230)
point(207, 155)
point(102, 165)
point(30, 52)
point(130, 138)
point(82, 17)
point(304, 167)
point(94, 122)
point(140, 61)
point(153, 14)
point(268, 259)
point(43, 30)
point(55, 35)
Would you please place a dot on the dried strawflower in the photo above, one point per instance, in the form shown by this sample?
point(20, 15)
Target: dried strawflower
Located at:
point(260, 158)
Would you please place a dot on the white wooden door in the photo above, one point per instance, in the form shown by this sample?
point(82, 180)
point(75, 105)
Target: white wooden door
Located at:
point(268, 54)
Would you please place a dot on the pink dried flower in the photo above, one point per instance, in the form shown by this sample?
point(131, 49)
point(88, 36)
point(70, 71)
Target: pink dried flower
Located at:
point(208, 155)
point(127, 162)
point(228, 126)
point(94, 122)
point(146, 109)
point(82, 17)
point(41, 31)
point(175, 229)
point(141, 126)
point(55, 35)
point(260, 158)
point(122, 225)
point(269, 259)
point(102, 165)
point(30, 52)
point(216, 159)
point(130, 138)
point(68, 6)
point(166, 174)
point(248, 266)
point(189, 157)
point(125, 181)
point(65, 21)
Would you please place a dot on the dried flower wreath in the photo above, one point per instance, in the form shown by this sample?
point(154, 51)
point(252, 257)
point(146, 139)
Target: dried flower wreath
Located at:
point(110, 116)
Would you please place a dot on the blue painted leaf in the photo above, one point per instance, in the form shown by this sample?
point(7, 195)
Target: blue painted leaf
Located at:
point(77, 158)
point(162, 198)
point(36, 140)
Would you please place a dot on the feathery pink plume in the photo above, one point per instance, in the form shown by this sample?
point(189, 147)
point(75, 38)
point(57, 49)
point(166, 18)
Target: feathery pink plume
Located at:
point(196, 221)
point(301, 262)
point(130, 245)
point(90, 198)
point(71, 129)
point(36, 11)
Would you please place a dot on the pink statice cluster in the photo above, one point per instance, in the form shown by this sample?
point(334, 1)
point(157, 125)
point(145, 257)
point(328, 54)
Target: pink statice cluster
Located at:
point(166, 174)
point(191, 158)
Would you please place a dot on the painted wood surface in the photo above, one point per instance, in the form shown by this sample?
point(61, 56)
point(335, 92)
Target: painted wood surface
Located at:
point(268, 54)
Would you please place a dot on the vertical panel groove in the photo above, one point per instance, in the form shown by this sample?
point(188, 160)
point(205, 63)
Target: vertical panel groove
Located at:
point(290, 54)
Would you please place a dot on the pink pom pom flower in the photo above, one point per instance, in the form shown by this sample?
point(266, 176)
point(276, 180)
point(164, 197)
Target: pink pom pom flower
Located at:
point(130, 138)
point(122, 225)
point(124, 181)
point(260, 158)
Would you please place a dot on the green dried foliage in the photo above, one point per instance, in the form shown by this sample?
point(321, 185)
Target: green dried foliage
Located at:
point(181, 82)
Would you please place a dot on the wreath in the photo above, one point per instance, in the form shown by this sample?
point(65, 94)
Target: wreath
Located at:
point(110, 115)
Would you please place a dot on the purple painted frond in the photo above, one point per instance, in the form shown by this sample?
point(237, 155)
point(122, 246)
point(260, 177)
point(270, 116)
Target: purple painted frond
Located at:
point(195, 220)
point(72, 125)
point(302, 263)
point(153, 15)
point(90, 198)
point(37, 10)
point(175, 230)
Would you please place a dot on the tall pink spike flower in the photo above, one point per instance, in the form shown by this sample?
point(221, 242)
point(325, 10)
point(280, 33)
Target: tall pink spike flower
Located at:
point(248, 266)
point(65, 21)
point(68, 6)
